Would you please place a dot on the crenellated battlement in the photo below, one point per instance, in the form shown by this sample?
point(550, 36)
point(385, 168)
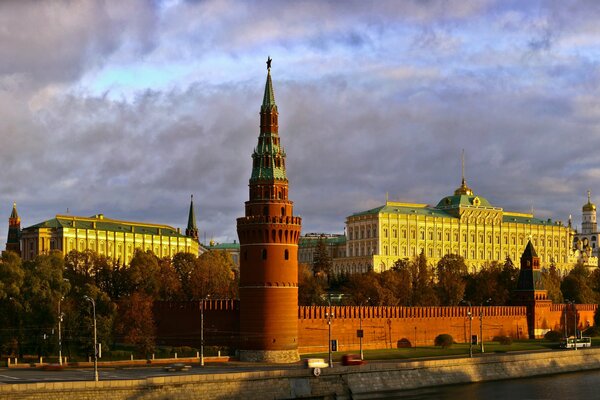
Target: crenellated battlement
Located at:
point(351, 312)
point(268, 219)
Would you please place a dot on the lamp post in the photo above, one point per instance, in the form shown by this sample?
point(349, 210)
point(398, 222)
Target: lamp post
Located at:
point(360, 338)
point(60, 318)
point(329, 315)
point(566, 332)
point(575, 323)
point(481, 322)
point(95, 338)
point(202, 329)
point(470, 315)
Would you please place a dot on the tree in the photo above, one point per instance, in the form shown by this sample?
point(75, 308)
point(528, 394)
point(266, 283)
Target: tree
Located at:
point(576, 286)
point(213, 276)
point(311, 289)
point(143, 274)
point(322, 261)
point(135, 322)
point(12, 276)
point(451, 282)
point(551, 279)
point(184, 264)
point(423, 289)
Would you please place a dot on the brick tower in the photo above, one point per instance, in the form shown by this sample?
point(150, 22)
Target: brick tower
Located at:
point(530, 292)
point(268, 236)
point(13, 240)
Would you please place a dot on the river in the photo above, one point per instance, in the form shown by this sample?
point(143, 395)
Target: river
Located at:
point(576, 385)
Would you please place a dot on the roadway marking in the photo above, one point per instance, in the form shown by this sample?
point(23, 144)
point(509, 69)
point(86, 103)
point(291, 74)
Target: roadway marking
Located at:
point(9, 377)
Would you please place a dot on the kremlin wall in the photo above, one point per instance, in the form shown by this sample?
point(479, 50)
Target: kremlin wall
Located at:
point(178, 324)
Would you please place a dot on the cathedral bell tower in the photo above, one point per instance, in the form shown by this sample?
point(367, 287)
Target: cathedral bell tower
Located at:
point(268, 235)
point(588, 217)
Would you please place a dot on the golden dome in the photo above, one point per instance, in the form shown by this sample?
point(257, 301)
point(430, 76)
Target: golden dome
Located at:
point(463, 189)
point(589, 206)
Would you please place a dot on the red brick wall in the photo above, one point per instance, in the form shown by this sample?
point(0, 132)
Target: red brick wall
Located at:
point(178, 323)
point(384, 326)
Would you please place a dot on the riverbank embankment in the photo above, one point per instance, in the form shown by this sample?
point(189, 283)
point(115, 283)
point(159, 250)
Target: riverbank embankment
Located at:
point(339, 382)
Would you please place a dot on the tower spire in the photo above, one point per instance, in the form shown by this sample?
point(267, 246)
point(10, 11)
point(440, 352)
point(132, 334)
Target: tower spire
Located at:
point(463, 189)
point(192, 229)
point(13, 240)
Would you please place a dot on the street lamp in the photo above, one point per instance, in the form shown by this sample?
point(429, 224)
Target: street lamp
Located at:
point(575, 323)
point(470, 315)
point(202, 329)
point(566, 331)
point(95, 338)
point(360, 337)
point(60, 318)
point(481, 322)
point(329, 315)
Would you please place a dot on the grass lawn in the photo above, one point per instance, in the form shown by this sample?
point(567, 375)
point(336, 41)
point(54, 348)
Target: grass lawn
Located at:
point(454, 350)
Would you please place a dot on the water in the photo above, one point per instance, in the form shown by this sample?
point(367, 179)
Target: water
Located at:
point(576, 385)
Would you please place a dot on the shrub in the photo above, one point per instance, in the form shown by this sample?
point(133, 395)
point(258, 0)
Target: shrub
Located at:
point(404, 343)
point(592, 331)
point(444, 340)
point(504, 340)
point(553, 336)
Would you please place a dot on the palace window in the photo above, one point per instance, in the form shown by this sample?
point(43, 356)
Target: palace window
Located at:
point(385, 233)
point(394, 233)
point(439, 236)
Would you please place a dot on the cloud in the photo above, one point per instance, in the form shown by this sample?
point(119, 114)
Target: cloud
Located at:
point(127, 108)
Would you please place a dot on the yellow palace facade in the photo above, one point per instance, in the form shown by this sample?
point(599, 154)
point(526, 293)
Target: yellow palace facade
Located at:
point(115, 239)
point(463, 224)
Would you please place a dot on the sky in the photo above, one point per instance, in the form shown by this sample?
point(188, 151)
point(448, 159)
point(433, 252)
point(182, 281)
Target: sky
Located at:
point(127, 107)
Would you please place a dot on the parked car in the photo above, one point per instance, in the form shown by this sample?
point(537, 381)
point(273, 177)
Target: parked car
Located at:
point(178, 367)
point(352, 359)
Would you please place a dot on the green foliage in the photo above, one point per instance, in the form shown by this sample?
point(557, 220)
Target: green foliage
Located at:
point(552, 280)
point(322, 261)
point(444, 340)
point(311, 289)
point(576, 286)
point(135, 322)
point(553, 336)
point(493, 281)
point(451, 279)
point(213, 276)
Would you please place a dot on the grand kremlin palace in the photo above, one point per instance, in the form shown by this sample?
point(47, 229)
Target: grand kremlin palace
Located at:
point(115, 239)
point(463, 224)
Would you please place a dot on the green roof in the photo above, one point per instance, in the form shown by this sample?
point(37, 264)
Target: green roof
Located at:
point(440, 212)
point(102, 224)
point(396, 209)
point(305, 241)
point(225, 246)
point(463, 200)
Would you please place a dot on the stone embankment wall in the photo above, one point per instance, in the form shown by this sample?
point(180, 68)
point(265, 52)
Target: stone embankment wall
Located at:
point(339, 382)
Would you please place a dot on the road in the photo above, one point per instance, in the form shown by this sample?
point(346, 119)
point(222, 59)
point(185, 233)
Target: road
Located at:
point(31, 375)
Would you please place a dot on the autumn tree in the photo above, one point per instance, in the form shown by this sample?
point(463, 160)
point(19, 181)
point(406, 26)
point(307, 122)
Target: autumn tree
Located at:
point(451, 279)
point(311, 289)
point(552, 280)
point(576, 286)
point(423, 292)
point(184, 264)
point(213, 276)
point(12, 276)
point(135, 322)
point(322, 260)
